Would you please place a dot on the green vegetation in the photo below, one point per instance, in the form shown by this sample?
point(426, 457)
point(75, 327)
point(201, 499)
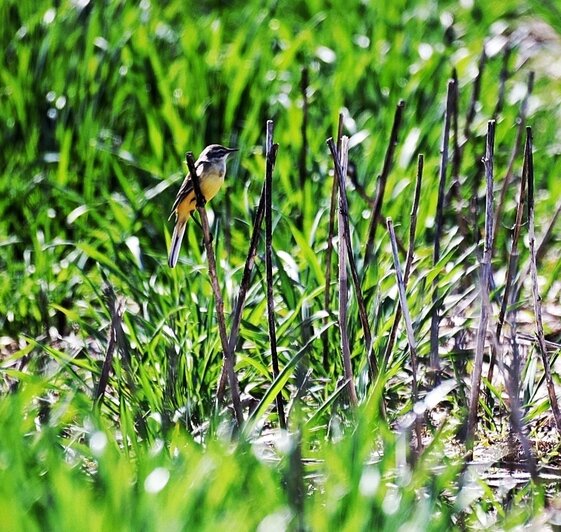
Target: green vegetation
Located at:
point(98, 103)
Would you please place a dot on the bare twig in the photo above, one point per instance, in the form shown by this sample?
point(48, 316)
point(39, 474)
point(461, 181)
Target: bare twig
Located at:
point(535, 290)
point(117, 338)
point(409, 330)
point(485, 276)
point(304, 81)
point(219, 302)
point(439, 221)
point(521, 124)
point(340, 172)
point(271, 155)
point(409, 258)
point(456, 152)
point(382, 180)
point(116, 311)
point(329, 253)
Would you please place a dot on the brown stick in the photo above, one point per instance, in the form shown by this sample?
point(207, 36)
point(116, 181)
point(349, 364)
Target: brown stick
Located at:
point(439, 222)
point(116, 339)
point(219, 302)
point(535, 290)
point(341, 172)
point(409, 257)
point(329, 253)
point(485, 276)
point(271, 155)
point(410, 334)
point(382, 180)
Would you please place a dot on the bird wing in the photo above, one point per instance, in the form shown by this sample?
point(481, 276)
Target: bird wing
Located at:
point(185, 189)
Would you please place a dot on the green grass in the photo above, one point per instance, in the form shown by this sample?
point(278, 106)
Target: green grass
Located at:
point(97, 108)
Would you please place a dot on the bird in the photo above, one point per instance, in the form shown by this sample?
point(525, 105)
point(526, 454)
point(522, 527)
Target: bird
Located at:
point(211, 169)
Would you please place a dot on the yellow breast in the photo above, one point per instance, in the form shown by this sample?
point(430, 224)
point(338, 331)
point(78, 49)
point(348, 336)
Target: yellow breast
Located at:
point(211, 181)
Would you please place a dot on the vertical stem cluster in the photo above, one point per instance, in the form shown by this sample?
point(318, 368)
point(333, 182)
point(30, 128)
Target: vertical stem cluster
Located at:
point(485, 276)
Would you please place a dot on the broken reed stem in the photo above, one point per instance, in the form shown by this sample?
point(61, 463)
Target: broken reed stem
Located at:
point(116, 313)
point(363, 315)
point(521, 124)
point(409, 257)
point(304, 81)
point(409, 329)
point(382, 180)
point(340, 172)
point(485, 277)
point(116, 338)
point(439, 222)
point(329, 252)
point(219, 302)
point(271, 156)
point(456, 155)
point(512, 261)
point(535, 290)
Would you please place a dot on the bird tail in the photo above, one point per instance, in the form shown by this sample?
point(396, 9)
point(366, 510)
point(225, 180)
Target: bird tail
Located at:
point(177, 237)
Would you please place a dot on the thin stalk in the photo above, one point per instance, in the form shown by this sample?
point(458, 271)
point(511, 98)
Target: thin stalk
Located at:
point(535, 290)
point(485, 277)
point(439, 222)
point(410, 334)
point(341, 171)
point(409, 257)
point(116, 340)
point(271, 155)
point(329, 254)
point(302, 172)
point(382, 181)
point(219, 302)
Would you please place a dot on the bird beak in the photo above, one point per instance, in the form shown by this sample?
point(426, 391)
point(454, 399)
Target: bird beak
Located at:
point(232, 150)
